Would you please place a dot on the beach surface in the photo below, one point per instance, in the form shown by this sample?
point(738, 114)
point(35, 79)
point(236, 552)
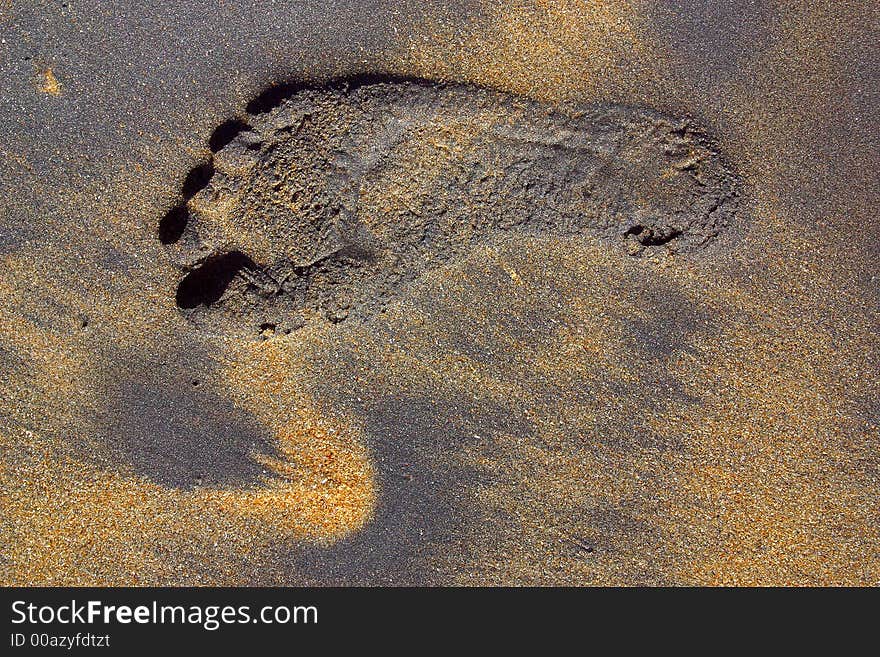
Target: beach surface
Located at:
point(469, 293)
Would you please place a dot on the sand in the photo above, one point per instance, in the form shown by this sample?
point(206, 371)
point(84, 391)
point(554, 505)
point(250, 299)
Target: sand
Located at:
point(580, 376)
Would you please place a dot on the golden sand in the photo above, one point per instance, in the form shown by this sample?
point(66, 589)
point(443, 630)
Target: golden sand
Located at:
point(766, 481)
point(49, 84)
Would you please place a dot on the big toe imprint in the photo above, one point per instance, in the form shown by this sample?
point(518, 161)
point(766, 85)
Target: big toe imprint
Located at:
point(323, 203)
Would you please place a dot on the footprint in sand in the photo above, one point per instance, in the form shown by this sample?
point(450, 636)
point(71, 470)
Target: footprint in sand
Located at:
point(323, 203)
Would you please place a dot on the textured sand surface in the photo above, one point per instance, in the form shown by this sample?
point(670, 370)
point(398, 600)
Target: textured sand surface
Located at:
point(566, 379)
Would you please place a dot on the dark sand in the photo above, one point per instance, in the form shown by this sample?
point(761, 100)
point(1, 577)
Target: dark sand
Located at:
point(576, 294)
